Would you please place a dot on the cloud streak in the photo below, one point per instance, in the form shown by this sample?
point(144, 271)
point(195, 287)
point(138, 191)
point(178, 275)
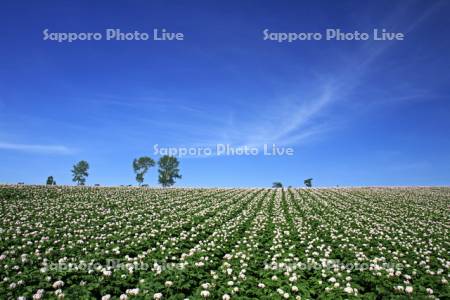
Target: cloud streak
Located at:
point(294, 119)
point(39, 149)
point(291, 119)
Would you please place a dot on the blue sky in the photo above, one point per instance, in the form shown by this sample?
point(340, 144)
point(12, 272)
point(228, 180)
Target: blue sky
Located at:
point(355, 112)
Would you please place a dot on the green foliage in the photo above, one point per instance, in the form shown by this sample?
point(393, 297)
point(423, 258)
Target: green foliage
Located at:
point(277, 184)
point(80, 172)
point(308, 182)
point(250, 244)
point(168, 170)
point(141, 166)
point(50, 180)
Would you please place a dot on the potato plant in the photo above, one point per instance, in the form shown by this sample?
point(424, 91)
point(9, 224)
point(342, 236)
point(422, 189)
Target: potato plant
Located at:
point(138, 243)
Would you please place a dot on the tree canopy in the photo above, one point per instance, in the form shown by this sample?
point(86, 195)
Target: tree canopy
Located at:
point(308, 182)
point(80, 172)
point(141, 166)
point(50, 180)
point(168, 170)
point(277, 184)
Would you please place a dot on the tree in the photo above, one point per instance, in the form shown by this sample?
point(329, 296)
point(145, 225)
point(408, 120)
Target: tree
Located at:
point(308, 182)
point(50, 180)
point(80, 172)
point(168, 170)
point(277, 184)
point(141, 166)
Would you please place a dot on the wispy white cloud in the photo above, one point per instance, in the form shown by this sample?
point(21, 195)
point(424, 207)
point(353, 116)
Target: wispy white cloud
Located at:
point(33, 148)
point(291, 120)
point(284, 121)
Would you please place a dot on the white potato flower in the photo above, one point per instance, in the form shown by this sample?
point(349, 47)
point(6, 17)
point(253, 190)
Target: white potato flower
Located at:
point(58, 284)
point(348, 290)
point(204, 294)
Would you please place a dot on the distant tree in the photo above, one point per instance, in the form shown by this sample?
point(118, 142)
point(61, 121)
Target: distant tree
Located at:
point(277, 184)
point(168, 170)
point(80, 172)
point(141, 166)
point(308, 182)
point(50, 180)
